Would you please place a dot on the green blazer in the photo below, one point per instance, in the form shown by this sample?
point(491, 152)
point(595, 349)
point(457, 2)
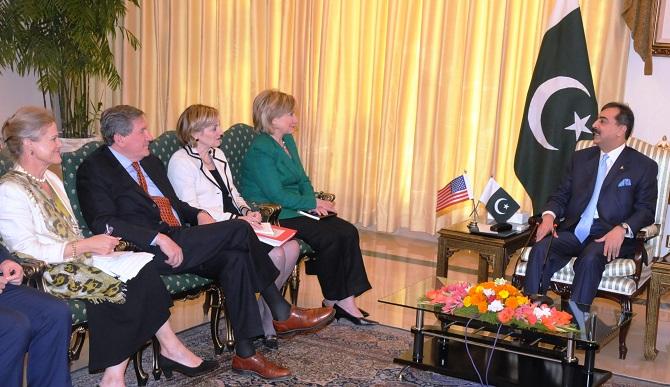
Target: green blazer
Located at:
point(270, 175)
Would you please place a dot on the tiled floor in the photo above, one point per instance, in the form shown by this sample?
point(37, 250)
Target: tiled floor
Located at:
point(394, 262)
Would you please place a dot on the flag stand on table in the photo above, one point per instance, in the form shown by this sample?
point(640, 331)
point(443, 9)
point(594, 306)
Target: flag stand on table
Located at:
point(456, 191)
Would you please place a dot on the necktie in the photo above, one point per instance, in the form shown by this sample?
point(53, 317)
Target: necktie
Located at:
point(584, 226)
point(162, 202)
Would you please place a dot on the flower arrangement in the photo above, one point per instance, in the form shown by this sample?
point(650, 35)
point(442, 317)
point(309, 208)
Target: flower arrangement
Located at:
point(499, 302)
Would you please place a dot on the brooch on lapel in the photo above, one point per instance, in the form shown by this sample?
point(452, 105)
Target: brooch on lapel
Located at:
point(624, 183)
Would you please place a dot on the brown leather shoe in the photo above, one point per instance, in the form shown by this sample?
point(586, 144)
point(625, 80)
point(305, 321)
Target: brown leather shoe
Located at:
point(260, 366)
point(303, 320)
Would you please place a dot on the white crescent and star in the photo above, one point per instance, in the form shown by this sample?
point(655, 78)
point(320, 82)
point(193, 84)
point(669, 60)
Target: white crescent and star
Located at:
point(495, 206)
point(540, 98)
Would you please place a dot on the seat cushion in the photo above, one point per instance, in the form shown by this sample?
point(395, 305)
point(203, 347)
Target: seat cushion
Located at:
point(178, 283)
point(78, 310)
point(616, 268)
point(617, 277)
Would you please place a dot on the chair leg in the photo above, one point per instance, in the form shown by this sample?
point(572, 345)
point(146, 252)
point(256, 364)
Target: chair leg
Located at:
point(216, 296)
point(142, 376)
point(156, 349)
point(626, 312)
point(230, 336)
point(294, 281)
point(76, 342)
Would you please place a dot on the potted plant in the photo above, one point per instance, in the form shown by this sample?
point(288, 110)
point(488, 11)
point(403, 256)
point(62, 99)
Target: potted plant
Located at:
point(66, 43)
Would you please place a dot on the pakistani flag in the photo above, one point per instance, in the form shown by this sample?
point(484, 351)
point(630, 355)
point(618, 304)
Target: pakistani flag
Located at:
point(560, 105)
point(498, 202)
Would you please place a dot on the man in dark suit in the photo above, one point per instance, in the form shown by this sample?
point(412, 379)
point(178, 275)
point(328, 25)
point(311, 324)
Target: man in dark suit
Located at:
point(124, 189)
point(607, 195)
point(33, 322)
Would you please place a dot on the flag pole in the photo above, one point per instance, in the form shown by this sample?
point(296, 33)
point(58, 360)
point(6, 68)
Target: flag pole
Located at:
point(472, 226)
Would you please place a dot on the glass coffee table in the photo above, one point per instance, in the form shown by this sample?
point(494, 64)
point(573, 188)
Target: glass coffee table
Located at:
point(502, 355)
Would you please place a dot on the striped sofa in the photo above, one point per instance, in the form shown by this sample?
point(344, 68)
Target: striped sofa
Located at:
point(625, 278)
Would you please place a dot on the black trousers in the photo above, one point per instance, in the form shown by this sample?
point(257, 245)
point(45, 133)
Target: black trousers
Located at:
point(230, 253)
point(339, 263)
point(116, 331)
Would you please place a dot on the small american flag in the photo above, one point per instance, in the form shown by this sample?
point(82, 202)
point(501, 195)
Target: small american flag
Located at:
point(458, 190)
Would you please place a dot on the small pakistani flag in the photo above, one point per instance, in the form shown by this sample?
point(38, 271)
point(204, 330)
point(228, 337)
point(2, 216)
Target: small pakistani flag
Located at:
point(498, 202)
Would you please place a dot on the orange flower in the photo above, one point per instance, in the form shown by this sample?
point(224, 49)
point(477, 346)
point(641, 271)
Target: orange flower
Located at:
point(506, 315)
point(511, 302)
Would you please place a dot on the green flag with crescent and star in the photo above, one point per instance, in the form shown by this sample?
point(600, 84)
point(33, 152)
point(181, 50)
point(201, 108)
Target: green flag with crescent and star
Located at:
point(498, 202)
point(560, 106)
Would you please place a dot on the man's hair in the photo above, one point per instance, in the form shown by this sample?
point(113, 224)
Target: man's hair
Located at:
point(268, 105)
point(625, 116)
point(118, 120)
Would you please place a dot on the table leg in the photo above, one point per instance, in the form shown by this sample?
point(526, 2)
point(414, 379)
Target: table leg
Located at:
point(443, 255)
point(417, 352)
point(653, 300)
point(500, 260)
point(483, 267)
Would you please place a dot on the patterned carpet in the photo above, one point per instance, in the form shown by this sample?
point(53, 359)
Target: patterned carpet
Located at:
point(339, 355)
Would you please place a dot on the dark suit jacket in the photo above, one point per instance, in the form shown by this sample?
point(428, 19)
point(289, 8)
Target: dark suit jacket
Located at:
point(628, 193)
point(108, 195)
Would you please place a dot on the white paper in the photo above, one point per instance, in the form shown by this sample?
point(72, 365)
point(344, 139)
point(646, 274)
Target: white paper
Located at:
point(123, 265)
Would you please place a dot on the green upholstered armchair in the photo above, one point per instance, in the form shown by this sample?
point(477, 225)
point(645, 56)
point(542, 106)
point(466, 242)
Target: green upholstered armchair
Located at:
point(623, 278)
point(235, 143)
point(180, 286)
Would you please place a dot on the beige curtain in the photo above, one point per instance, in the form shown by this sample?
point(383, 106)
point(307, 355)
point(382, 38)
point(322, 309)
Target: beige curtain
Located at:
point(395, 97)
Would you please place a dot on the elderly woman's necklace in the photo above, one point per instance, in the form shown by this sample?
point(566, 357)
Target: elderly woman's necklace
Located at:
point(37, 179)
point(33, 177)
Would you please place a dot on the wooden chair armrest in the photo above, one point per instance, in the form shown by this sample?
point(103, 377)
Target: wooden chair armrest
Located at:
point(270, 212)
point(648, 232)
point(32, 272)
point(325, 196)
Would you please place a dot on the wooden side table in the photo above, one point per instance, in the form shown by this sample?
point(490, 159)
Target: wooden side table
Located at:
point(492, 250)
point(658, 284)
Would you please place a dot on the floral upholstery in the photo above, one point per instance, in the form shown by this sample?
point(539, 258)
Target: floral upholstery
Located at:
point(623, 278)
point(78, 309)
point(235, 142)
point(69, 165)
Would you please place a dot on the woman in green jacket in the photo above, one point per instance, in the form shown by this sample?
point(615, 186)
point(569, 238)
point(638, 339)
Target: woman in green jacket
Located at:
point(272, 172)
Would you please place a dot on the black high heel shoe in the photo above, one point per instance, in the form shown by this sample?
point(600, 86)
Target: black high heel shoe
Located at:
point(271, 342)
point(341, 313)
point(364, 313)
point(168, 365)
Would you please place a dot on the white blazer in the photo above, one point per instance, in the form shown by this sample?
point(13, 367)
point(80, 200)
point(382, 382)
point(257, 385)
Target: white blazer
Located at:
point(22, 225)
point(195, 185)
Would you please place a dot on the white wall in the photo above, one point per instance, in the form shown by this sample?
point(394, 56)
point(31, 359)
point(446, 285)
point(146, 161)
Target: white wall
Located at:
point(647, 96)
point(16, 91)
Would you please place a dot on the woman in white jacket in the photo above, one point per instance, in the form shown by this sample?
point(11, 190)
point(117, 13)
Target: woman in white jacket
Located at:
point(200, 175)
point(37, 220)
